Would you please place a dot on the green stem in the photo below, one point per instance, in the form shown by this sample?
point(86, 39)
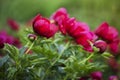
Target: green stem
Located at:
point(29, 47)
point(85, 60)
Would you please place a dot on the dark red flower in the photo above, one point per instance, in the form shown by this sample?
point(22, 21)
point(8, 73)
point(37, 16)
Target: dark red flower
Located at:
point(43, 27)
point(96, 75)
point(13, 24)
point(102, 45)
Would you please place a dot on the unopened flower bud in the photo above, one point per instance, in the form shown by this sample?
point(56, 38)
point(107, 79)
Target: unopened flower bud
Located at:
point(32, 37)
point(101, 45)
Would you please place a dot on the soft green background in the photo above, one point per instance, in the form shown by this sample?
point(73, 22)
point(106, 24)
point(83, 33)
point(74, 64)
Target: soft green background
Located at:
point(93, 12)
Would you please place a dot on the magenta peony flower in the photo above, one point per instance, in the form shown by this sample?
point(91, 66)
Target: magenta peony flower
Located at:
point(60, 15)
point(96, 75)
point(13, 24)
point(114, 46)
point(110, 35)
point(84, 39)
point(102, 30)
point(43, 27)
point(5, 38)
point(113, 77)
point(102, 45)
point(78, 28)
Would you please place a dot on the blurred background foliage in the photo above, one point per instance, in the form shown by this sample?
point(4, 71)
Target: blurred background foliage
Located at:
point(93, 12)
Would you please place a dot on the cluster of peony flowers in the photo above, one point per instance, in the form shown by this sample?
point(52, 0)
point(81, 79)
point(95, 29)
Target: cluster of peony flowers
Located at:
point(102, 37)
point(105, 37)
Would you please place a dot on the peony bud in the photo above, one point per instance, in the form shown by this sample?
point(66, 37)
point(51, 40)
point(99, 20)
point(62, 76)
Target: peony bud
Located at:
point(102, 45)
point(32, 37)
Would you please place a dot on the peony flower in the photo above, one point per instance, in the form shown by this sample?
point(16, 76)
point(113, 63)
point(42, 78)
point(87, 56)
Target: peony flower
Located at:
point(114, 46)
point(78, 27)
point(102, 45)
point(13, 24)
point(43, 27)
point(5, 38)
point(113, 77)
point(60, 15)
point(102, 30)
point(110, 35)
point(96, 75)
point(84, 39)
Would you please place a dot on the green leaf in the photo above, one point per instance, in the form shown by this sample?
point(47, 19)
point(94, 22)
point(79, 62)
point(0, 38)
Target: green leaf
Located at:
point(13, 51)
point(3, 60)
point(22, 50)
point(11, 72)
point(107, 55)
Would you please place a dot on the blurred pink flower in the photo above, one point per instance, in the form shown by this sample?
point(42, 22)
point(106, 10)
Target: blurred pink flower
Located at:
point(113, 77)
point(13, 24)
point(96, 75)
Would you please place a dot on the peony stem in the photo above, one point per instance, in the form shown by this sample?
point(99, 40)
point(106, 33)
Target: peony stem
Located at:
point(30, 47)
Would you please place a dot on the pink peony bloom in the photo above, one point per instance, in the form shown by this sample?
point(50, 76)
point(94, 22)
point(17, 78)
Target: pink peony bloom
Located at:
point(102, 30)
point(114, 46)
point(110, 35)
point(5, 38)
point(113, 77)
point(84, 39)
point(60, 15)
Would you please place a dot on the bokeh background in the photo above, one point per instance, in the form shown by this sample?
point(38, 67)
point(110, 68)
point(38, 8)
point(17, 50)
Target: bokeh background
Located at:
point(93, 12)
